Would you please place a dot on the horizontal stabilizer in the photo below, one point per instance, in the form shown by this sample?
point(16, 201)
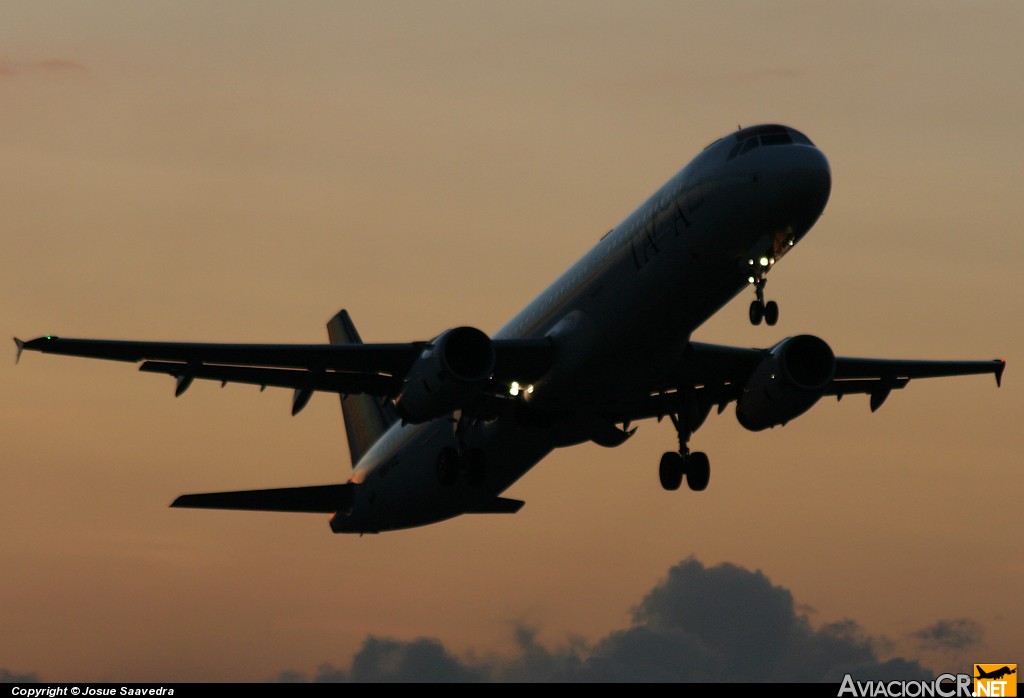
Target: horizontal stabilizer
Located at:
point(320, 499)
point(499, 505)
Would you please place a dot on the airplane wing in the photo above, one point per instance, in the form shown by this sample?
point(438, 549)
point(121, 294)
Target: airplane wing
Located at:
point(716, 375)
point(375, 369)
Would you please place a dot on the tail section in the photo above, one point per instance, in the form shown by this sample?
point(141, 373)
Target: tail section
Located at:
point(366, 417)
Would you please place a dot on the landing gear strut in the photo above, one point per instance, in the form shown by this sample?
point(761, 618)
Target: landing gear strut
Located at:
point(695, 467)
point(451, 462)
point(759, 310)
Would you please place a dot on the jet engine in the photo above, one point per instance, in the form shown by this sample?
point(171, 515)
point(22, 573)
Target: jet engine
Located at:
point(449, 373)
point(788, 381)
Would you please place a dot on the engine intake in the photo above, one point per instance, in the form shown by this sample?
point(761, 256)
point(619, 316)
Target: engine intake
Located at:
point(449, 373)
point(787, 383)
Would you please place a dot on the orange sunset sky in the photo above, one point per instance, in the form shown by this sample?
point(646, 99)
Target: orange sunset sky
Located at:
point(239, 171)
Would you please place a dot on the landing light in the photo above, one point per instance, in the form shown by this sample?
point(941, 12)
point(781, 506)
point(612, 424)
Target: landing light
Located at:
point(516, 388)
point(764, 261)
point(750, 279)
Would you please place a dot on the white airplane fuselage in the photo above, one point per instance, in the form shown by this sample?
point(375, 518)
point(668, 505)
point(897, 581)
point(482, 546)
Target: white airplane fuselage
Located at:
point(620, 319)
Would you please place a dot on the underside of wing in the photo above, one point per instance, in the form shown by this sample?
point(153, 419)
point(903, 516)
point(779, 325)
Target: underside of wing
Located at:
point(381, 370)
point(716, 375)
point(896, 369)
point(344, 382)
point(393, 359)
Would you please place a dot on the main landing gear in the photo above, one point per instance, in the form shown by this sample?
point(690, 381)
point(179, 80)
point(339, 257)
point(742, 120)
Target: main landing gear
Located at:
point(695, 467)
point(759, 310)
point(451, 464)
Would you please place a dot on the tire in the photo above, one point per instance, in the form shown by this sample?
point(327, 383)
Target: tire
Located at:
point(476, 466)
point(698, 471)
point(671, 471)
point(771, 312)
point(756, 312)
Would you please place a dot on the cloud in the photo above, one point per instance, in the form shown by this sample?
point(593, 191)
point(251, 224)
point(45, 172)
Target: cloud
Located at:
point(722, 623)
point(953, 634)
point(8, 676)
point(57, 64)
point(10, 68)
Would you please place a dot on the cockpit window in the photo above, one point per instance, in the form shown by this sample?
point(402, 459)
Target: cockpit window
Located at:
point(776, 139)
point(764, 130)
point(769, 134)
point(800, 138)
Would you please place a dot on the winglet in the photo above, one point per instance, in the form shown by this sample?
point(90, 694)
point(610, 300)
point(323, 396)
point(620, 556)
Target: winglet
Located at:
point(999, 371)
point(21, 347)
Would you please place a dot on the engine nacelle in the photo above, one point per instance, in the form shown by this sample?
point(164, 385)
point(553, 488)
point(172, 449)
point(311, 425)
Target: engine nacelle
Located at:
point(449, 372)
point(787, 383)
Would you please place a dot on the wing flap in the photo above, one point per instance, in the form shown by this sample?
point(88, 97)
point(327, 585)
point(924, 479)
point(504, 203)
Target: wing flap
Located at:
point(894, 369)
point(318, 499)
point(345, 383)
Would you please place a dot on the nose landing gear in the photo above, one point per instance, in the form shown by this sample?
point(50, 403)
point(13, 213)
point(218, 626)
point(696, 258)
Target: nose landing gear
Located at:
point(759, 310)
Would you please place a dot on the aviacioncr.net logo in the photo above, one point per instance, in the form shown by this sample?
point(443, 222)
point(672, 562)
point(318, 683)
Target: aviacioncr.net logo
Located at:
point(945, 686)
point(995, 680)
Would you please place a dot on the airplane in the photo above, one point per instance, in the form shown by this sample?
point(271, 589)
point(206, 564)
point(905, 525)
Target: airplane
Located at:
point(443, 427)
point(996, 674)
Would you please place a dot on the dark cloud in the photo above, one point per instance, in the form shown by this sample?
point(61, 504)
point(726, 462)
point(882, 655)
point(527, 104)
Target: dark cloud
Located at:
point(953, 634)
point(420, 660)
point(8, 676)
point(722, 623)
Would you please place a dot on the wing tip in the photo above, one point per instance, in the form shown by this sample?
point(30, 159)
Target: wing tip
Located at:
point(20, 344)
point(1000, 367)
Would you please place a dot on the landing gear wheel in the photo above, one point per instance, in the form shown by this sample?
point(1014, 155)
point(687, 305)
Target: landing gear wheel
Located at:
point(771, 312)
point(757, 312)
point(448, 466)
point(698, 471)
point(671, 471)
point(476, 467)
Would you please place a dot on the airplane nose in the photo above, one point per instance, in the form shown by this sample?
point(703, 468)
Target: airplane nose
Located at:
point(810, 178)
point(800, 181)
